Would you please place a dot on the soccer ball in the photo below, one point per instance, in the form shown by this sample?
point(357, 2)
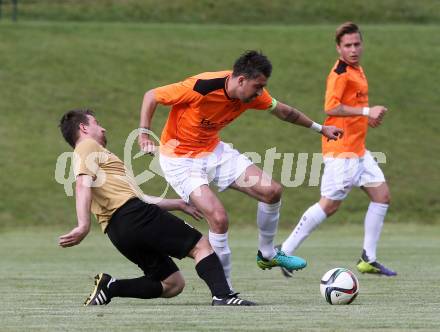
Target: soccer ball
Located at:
point(339, 286)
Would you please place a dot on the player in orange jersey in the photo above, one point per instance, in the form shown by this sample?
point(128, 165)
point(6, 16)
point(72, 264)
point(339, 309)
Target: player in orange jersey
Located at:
point(347, 162)
point(192, 154)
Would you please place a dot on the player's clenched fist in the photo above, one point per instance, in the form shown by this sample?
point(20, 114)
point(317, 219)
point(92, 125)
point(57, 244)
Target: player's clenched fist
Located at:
point(377, 112)
point(332, 132)
point(146, 145)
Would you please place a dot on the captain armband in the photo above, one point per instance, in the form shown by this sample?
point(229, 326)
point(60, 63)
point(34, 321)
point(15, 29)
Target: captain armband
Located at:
point(273, 105)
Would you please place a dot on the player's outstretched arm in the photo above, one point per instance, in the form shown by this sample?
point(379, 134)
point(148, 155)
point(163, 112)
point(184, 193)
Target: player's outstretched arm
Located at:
point(148, 107)
point(292, 115)
point(174, 205)
point(83, 203)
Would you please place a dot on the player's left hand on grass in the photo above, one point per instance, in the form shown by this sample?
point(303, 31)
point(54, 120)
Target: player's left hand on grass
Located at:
point(192, 211)
point(74, 237)
point(332, 132)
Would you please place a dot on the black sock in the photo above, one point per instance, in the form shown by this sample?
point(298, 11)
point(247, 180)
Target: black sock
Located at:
point(140, 288)
point(211, 271)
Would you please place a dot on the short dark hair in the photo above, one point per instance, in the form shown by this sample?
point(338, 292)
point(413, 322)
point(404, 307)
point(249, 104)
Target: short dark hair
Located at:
point(69, 124)
point(345, 29)
point(252, 64)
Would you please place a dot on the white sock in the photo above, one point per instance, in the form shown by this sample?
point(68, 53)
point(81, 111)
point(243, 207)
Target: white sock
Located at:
point(267, 221)
point(373, 227)
point(311, 219)
point(219, 242)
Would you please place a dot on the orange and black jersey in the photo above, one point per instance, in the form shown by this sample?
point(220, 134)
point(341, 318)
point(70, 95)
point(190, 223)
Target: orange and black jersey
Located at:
point(201, 107)
point(346, 85)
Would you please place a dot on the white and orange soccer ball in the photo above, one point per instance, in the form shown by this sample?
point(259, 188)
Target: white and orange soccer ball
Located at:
point(339, 286)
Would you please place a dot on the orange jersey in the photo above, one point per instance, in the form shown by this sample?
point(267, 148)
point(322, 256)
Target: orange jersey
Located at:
point(201, 107)
point(346, 85)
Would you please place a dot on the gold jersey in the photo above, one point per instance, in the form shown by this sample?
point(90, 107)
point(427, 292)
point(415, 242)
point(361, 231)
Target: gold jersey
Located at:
point(111, 186)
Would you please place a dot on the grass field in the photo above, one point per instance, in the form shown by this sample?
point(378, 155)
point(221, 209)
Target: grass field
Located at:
point(43, 286)
point(47, 68)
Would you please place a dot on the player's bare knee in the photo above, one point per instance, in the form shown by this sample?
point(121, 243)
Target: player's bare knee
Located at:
point(329, 206)
point(204, 244)
point(386, 198)
point(174, 290)
point(382, 196)
point(330, 209)
point(178, 288)
point(273, 193)
point(383, 199)
point(276, 192)
point(173, 287)
point(202, 248)
point(218, 222)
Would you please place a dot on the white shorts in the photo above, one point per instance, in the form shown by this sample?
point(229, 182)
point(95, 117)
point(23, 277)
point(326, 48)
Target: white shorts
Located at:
point(222, 167)
point(342, 174)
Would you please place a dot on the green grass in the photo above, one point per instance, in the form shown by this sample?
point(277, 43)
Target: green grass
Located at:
point(43, 286)
point(231, 11)
point(48, 68)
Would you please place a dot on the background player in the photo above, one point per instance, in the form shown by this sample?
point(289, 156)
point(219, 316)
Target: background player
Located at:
point(347, 162)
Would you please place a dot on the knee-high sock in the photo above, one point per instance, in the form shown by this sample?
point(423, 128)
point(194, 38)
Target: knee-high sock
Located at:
point(311, 219)
point(211, 271)
point(219, 242)
point(267, 220)
point(140, 288)
point(373, 227)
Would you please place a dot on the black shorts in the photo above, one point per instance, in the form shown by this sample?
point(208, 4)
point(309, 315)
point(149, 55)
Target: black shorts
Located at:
point(148, 236)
